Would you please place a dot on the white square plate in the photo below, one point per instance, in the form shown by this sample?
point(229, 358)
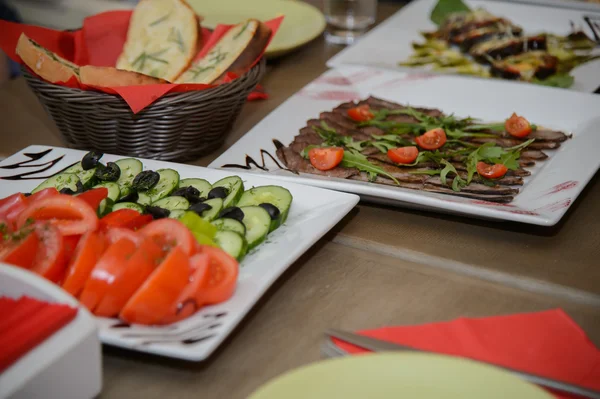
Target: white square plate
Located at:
point(314, 211)
point(390, 42)
point(544, 198)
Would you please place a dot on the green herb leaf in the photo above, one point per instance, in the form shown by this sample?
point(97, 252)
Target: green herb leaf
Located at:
point(446, 7)
point(353, 159)
point(458, 182)
point(557, 80)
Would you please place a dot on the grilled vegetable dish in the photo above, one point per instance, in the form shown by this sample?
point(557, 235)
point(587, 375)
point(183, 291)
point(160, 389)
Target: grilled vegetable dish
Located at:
point(476, 42)
point(423, 149)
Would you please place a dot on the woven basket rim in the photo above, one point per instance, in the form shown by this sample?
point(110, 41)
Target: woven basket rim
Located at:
point(168, 99)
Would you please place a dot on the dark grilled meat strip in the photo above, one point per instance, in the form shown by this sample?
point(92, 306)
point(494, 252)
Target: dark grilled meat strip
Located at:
point(504, 199)
point(341, 130)
point(538, 64)
point(498, 49)
point(384, 180)
point(534, 155)
point(506, 142)
point(468, 39)
point(475, 188)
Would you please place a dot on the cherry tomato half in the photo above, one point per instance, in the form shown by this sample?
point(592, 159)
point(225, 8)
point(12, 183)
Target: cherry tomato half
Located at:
point(432, 140)
point(403, 155)
point(125, 218)
point(517, 126)
point(362, 113)
point(71, 215)
point(326, 158)
point(491, 171)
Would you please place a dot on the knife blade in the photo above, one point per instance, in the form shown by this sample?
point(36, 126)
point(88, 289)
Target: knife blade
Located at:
point(377, 345)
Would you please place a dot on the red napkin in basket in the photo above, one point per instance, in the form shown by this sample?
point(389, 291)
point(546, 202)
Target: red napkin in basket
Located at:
point(99, 43)
point(27, 322)
point(546, 343)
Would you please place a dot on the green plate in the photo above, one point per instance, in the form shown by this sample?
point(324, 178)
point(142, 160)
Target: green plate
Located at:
point(399, 375)
point(302, 22)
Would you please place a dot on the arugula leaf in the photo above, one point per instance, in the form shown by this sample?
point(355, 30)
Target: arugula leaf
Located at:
point(491, 153)
point(459, 134)
point(446, 7)
point(497, 127)
point(563, 80)
point(458, 181)
point(353, 159)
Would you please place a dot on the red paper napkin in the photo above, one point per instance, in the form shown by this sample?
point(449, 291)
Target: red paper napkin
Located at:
point(27, 322)
point(99, 43)
point(547, 343)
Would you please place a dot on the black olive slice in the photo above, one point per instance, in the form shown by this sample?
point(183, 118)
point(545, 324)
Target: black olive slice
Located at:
point(145, 180)
point(158, 212)
point(232, 212)
point(189, 193)
point(200, 207)
point(110, 172)
point(217, 192)
point(272, 209)
point(132, 197)
point(90, 160)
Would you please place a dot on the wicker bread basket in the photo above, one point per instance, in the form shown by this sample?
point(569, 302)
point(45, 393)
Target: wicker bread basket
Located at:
point(176, 127)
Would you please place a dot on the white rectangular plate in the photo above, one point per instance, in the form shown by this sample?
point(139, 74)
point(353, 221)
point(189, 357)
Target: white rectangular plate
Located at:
point(390, 42)
point(575, 4)
point(544, 198)
point(314, 211)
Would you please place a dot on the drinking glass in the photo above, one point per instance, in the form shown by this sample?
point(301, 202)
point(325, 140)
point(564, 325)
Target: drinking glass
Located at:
point(348, 19)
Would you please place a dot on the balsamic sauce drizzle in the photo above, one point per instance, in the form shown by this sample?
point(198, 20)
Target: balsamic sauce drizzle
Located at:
point(250, 161)
point(33, 157)
point(594, 24)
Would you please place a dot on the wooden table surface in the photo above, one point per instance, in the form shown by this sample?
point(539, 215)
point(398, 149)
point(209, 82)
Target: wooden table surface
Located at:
point(380, 266)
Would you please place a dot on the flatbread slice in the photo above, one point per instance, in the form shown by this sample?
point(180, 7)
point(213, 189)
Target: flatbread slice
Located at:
point(112, 77)
point(44, 62)
point(234, 52)
point(162, 39)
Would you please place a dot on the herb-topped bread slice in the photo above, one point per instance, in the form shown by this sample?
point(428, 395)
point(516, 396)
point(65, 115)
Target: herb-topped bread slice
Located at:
point(112, 77)
point(44, 62)
point(162, 39)
point(234, 52)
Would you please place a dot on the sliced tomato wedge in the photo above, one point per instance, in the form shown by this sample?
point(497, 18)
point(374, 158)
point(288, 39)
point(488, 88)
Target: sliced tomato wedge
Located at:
point(326, 158)
point(9, 202)
point(71, 215)
point(137, 269)
point(170, 233)
point(125, 218)
point(362, 113)
point(86, 255)
point(20, 249)
point(192, 297)
point(491, 171)
point(403, 155)
point(40, 195)
point(70, 243)
point(94, 196)
point(50, 261)
point(223, 273)
point(517, 126)
point(115, 234)
point(153, 301)
point(432, 139)
point(104, 273)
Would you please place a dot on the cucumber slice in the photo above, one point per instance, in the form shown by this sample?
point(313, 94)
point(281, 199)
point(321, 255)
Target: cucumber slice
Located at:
point(60, 181)
point(227, 224)
point(128, 205)
point(177, 214)
point(211, 214)
point(257, 222)
point(199, 184)
point(274, 195)
point(235, 188)
point(114, 192)
point(169, 180)
point(85, 176)
point(232, 243)
point(105, 207)
point(172, 203)
point(130, 168)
